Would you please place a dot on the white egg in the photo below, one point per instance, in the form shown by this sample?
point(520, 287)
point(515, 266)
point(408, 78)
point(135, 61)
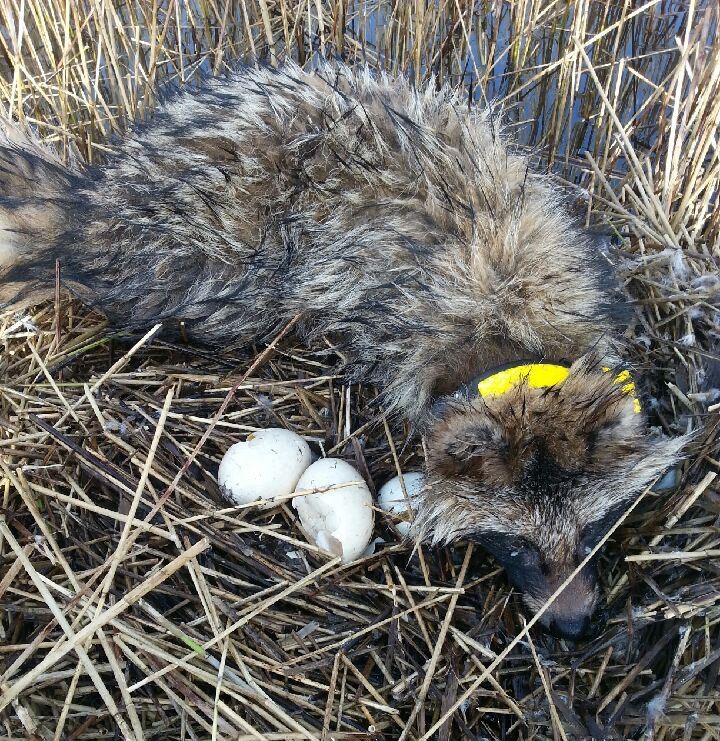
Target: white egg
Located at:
point(339, 519)
point(267, 465)
point(392, 499)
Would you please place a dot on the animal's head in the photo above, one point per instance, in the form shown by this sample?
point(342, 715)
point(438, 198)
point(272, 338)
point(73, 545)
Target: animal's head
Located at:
point(538, 476)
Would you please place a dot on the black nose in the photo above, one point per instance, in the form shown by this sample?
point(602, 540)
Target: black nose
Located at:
point(572, 628)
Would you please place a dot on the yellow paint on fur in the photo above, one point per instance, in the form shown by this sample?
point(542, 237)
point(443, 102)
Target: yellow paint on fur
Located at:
point(625, 378)
point(536, 375)
point(543, 375)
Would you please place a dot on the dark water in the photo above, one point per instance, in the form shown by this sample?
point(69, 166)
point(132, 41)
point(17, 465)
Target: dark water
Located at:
point(558, 128)
point(561, 128)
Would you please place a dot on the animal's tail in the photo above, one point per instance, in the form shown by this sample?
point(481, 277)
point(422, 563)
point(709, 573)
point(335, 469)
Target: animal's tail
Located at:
point(39, 201)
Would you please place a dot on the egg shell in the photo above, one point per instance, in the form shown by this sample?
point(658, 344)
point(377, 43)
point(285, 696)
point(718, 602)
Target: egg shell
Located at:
point(267, 465)
point(339, 520)
point(392, 500)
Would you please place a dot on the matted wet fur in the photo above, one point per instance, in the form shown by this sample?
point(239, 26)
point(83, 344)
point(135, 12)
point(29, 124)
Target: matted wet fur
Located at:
point(399, 223)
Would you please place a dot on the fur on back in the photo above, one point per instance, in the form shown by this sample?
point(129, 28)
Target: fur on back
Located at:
point(399, 222)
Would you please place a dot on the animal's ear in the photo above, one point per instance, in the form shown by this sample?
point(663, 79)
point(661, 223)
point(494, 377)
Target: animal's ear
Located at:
point(476, 442)
point(467, 439)
point(598, 408)
point(638, 464)
point(614, 420)
point(619, 443)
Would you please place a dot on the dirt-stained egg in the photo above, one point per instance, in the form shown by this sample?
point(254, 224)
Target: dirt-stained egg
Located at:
point(393, 501)
point(266, 466)
point(337, 512)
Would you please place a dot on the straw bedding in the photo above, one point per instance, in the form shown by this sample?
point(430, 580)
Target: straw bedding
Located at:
point(137, 603)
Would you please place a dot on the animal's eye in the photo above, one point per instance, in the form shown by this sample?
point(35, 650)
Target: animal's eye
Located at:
point(589, 538)
point(512, 551)
point(517, 549)
point(588, 534)
point(522, 549)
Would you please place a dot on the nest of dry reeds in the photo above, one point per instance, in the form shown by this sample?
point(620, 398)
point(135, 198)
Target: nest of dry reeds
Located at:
point(137, 603)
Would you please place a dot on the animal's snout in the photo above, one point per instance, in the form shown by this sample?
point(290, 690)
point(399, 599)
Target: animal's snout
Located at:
point(571, 612)
point(570, 627)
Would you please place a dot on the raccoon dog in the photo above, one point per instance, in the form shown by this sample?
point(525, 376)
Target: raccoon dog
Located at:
point(401, 224)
